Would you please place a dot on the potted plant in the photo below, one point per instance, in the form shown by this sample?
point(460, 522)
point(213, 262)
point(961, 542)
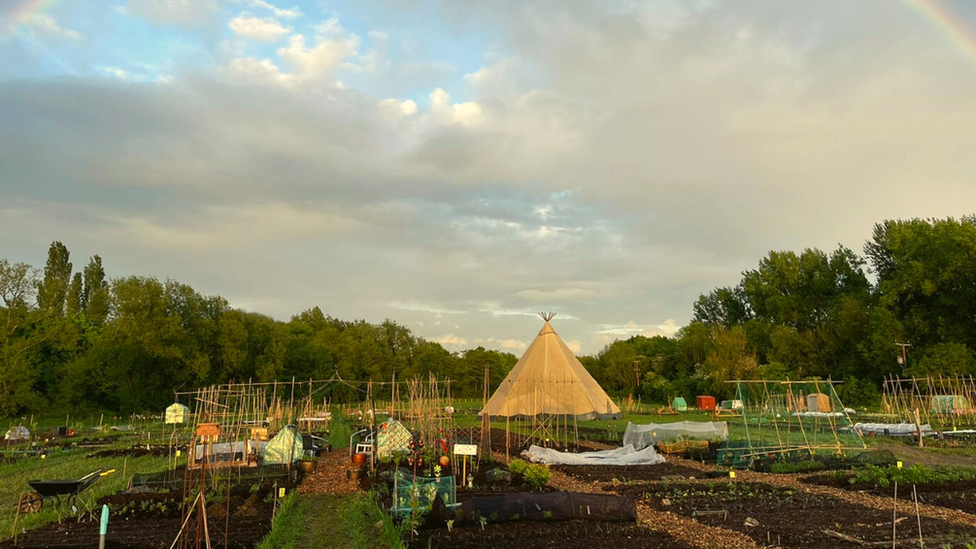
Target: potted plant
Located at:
point(308, 464)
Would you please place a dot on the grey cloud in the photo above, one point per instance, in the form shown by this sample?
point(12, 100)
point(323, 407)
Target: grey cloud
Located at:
point(632, 156)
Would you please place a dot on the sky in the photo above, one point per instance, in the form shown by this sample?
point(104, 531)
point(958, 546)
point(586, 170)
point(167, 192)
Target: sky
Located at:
point(459, 166)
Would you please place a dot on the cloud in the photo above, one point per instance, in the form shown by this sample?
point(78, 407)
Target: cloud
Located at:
point(464, 114)
point(397, 109)
point(575, 345)
point(121, 74)
point(187, 13)
point(290, 13)
point(48, 25)
point(264, 29)
point(450, 340)
point(607, 160)
point(508, 345)
point(320, 61)
point(260, 70)
point(329, 27)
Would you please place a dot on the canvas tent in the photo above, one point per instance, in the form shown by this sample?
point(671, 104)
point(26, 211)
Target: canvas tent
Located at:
point(286, 447)
point(549, 380)
point(177, 413)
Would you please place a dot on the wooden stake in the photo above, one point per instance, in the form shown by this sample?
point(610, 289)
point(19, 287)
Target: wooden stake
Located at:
point(918, 426)
point(917, 514)
point(894, 516)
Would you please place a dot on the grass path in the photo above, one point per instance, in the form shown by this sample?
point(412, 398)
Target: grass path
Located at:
point(331, 511)
point(64, 465)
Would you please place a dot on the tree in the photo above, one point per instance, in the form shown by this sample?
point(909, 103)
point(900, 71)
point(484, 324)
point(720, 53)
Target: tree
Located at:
point(945, 359)
point(52, 292)
point(95, 296)
point(927, 277)
point(74, 295)
point(723, 307)
point(17, 337)
point(729, 359)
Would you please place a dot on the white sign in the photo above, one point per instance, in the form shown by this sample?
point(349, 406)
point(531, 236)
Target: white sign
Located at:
point(465, 449)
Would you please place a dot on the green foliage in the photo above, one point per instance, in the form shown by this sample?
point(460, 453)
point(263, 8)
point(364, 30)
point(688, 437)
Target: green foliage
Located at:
point(858, 392)
point(518, 466)
point(947, 359)
point(339, 432)
point(913, 474)
point(796, 467)
point(537, 476)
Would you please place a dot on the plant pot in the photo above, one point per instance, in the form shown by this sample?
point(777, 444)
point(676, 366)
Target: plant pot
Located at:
point(307, 467)
point(359, 459)
point(353, 474)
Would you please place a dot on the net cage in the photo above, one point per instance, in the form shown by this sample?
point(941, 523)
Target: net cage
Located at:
point(650, 434)
point(413, 494)
point(947, 404)
point(788, 421)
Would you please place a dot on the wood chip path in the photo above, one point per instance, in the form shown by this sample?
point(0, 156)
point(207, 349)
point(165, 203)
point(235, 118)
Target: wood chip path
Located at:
point(330, 476)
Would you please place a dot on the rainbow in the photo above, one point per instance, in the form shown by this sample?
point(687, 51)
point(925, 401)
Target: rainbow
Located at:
point(949, 23)
point(25, 10)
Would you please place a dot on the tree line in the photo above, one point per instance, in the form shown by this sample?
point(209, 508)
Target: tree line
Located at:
point(79, 341)
point(818, 314)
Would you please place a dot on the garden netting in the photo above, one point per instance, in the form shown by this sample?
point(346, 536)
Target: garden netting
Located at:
point(618, 456)
point(414, 494)
point(642, 436)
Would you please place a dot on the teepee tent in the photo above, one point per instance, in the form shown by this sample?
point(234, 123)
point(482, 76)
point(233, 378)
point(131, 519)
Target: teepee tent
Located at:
point(549, 380)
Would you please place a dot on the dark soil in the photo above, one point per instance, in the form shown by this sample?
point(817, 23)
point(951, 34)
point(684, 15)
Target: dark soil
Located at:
point(788, 518)
point(606, 473)
point(575, 534)
point(243, 533)
point(960, 495)
point(152, 521)
point(137, 451)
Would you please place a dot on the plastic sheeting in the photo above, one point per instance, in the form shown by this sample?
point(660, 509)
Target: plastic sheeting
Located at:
point(17, 433)
point(177, 413)
point(893, 429)
point(618, 456)
point(533, 506)
point(642, 436)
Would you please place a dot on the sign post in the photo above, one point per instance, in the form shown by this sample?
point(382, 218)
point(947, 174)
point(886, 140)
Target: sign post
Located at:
point(465, 450)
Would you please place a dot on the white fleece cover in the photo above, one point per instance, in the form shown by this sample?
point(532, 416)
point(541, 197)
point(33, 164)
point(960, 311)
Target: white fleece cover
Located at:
point(625, 455)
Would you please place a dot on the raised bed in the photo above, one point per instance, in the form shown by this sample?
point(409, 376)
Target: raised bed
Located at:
point(607, 473)
point(789, 518)
point(545, 535)
point(960, 495)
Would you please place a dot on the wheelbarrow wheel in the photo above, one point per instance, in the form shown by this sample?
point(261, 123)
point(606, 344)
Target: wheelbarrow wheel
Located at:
point(31, 502)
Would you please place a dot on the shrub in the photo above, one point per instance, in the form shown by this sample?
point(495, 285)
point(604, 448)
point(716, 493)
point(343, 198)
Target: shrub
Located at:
point(914, 474)
point(339, 433)
point(537, 475)
point(798, 467)
point(518, 466)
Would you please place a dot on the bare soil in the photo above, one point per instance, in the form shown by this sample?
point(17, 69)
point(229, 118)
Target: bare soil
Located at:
point(790, 518)
point(960, 495)
point(575, 534)
point(604, 473)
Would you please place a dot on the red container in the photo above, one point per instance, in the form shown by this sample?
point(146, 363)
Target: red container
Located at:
point(706, 402)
